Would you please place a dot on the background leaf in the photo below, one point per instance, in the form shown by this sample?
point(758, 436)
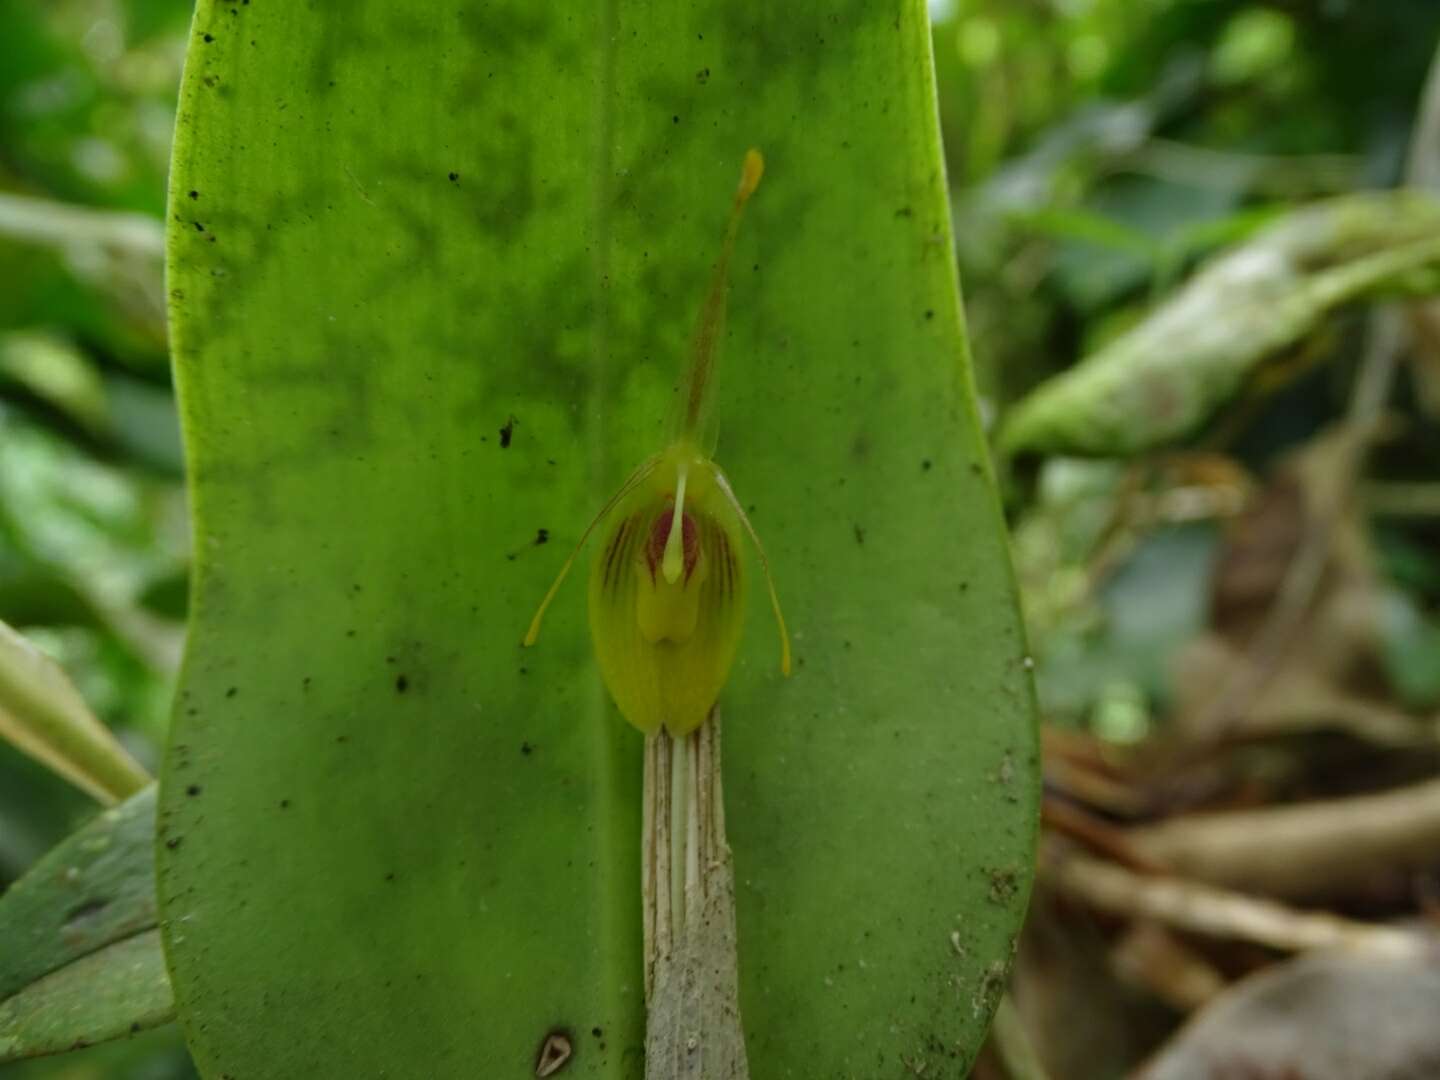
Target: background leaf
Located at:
point(94, 888)
point(120, 990)
point(396, 232)
point(82, 959)
point(1163, 379)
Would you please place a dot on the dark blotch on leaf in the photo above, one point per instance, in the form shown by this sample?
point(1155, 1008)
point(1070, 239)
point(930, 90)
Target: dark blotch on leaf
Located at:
point(85, 911)
point(401, 684)
point(541, 536)
point(193, 790)
point(507, 433)
point(454, 176)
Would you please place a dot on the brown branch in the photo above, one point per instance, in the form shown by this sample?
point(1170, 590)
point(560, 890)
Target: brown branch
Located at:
point(1205, 909)
point(1315, 848)
point(1094, 833)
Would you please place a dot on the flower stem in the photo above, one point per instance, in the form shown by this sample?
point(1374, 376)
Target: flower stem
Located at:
point(693, 1028)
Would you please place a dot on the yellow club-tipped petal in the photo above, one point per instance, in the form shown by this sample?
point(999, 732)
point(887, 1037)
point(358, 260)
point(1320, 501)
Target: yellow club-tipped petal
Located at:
point(722, 484)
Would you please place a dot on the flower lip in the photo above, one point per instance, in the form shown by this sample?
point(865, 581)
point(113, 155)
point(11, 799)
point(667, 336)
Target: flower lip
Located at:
point(660, 534)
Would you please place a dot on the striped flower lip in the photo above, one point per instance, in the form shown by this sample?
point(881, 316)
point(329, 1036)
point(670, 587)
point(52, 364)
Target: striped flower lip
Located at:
point(667, 597)
point(667, 591)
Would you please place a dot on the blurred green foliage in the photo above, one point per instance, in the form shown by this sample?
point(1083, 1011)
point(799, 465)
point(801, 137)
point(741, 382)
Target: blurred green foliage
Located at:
point(93, 534)
point(1097, 150)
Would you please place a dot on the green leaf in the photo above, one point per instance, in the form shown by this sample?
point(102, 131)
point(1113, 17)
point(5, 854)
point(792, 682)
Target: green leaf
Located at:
point(82, 959)
point(120, 990)
point(58, 373)
point(96, 887)
point(113, 255)
point(1163, 380)
point(43, 714)
point(398, 231)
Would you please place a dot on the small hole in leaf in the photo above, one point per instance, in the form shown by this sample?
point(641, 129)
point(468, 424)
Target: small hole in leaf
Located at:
point(555, 1054)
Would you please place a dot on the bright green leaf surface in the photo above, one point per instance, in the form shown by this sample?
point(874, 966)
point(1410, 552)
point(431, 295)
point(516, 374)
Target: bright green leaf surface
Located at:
point(411, 848)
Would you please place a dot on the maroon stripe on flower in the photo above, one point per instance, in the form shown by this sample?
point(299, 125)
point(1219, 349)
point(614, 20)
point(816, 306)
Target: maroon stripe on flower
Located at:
point(613, 561)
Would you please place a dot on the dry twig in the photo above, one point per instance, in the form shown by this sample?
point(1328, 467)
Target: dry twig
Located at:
point(1204, 909)
point(1315, 848)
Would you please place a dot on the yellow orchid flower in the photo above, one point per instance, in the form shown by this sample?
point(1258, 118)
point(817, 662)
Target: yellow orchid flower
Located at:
point(667, 588)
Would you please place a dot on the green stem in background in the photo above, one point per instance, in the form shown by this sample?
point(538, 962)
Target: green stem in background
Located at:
point(43, 715)
point(116, 253)
point(42, 221)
